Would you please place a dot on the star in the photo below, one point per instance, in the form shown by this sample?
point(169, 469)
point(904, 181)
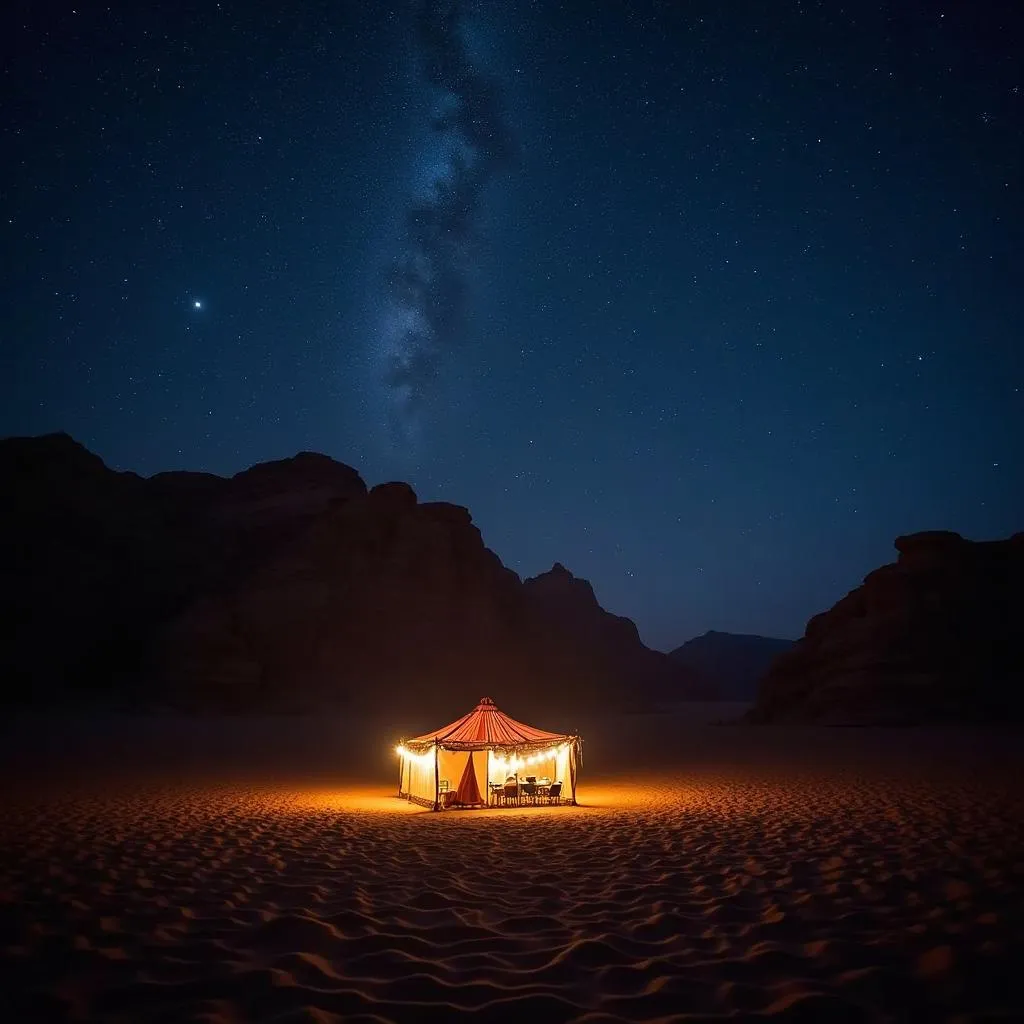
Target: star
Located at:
point(197, 304)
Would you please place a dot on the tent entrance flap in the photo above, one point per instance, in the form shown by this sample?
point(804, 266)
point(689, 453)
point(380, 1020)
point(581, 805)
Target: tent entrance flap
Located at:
point(469, 788)
point(455, 766)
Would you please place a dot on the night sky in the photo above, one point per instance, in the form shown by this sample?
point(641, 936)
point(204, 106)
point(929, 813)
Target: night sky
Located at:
point(708, 301)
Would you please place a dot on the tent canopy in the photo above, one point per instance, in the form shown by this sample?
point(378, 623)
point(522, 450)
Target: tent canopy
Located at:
point(486, 728)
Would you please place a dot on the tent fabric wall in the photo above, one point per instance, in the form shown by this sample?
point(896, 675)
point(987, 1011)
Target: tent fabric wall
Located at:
point(561, 773)
point(419, 780)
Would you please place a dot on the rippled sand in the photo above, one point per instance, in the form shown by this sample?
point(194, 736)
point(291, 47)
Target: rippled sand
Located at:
point(745, 881)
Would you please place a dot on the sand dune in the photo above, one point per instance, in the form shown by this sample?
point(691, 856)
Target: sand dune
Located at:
point(745, 881)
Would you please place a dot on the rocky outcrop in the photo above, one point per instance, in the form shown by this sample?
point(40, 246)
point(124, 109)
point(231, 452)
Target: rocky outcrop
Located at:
point(567, 609)
point(97, 562)
point(731, 664)
point(934, 636)
point(289, 585)
point(382, 599)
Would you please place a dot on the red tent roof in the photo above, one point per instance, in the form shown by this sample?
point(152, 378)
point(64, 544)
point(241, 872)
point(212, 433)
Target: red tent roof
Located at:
point(486, 726)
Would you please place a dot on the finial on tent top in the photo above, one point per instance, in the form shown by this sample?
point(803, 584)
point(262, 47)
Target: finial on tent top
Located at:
point(485, 702)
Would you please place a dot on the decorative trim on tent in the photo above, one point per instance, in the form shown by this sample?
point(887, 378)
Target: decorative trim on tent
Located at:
point(422, 801)
point(507, 748)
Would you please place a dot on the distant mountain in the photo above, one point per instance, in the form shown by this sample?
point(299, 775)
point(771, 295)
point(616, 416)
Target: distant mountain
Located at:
point(289, 585)
point(934, 636)
point(733, 664)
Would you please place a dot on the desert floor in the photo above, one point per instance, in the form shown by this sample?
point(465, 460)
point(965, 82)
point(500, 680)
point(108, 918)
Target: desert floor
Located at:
point(171, 870)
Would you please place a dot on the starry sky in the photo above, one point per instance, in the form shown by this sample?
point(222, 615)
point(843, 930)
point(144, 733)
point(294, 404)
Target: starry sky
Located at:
point(708, 301)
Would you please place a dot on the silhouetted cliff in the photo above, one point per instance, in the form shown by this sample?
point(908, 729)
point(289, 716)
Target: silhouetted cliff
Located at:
point(936, 635)
point(289, 585)
point(731, 664)
point(568, 608)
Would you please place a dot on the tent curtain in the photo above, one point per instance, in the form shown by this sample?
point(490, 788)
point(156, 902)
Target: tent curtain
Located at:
point(469, 791)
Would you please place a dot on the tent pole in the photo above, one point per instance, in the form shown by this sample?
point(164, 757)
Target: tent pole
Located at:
point(401, 773)
point(437, 781)
point(487, 780)
point(572, 770)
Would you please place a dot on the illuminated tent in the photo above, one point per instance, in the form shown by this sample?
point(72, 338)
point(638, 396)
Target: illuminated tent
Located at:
point(457, 764)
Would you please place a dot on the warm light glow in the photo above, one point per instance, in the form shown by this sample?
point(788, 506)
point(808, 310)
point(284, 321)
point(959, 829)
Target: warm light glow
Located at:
point(508, 764)
point(410, 756)
point(514, 763)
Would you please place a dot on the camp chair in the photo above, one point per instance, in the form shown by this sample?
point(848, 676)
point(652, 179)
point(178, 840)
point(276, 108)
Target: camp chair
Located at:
point(555, 793)
point(530, 791)
point(511, 791)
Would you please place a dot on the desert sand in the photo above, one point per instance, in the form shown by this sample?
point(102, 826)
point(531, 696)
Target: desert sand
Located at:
point(264, 870)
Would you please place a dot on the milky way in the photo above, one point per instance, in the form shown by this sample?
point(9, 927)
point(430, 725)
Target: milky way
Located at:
point(427, 285)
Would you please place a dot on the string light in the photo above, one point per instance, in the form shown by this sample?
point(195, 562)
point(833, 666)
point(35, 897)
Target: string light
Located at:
point(423, 758)
point(512, 763)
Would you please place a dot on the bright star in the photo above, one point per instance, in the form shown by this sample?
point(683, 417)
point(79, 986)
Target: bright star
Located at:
point(197, 304)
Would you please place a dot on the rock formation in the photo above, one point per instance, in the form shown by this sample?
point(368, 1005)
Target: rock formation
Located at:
point(934, 636)
point(568, 608)
point(732, 665)
point(289, 585)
